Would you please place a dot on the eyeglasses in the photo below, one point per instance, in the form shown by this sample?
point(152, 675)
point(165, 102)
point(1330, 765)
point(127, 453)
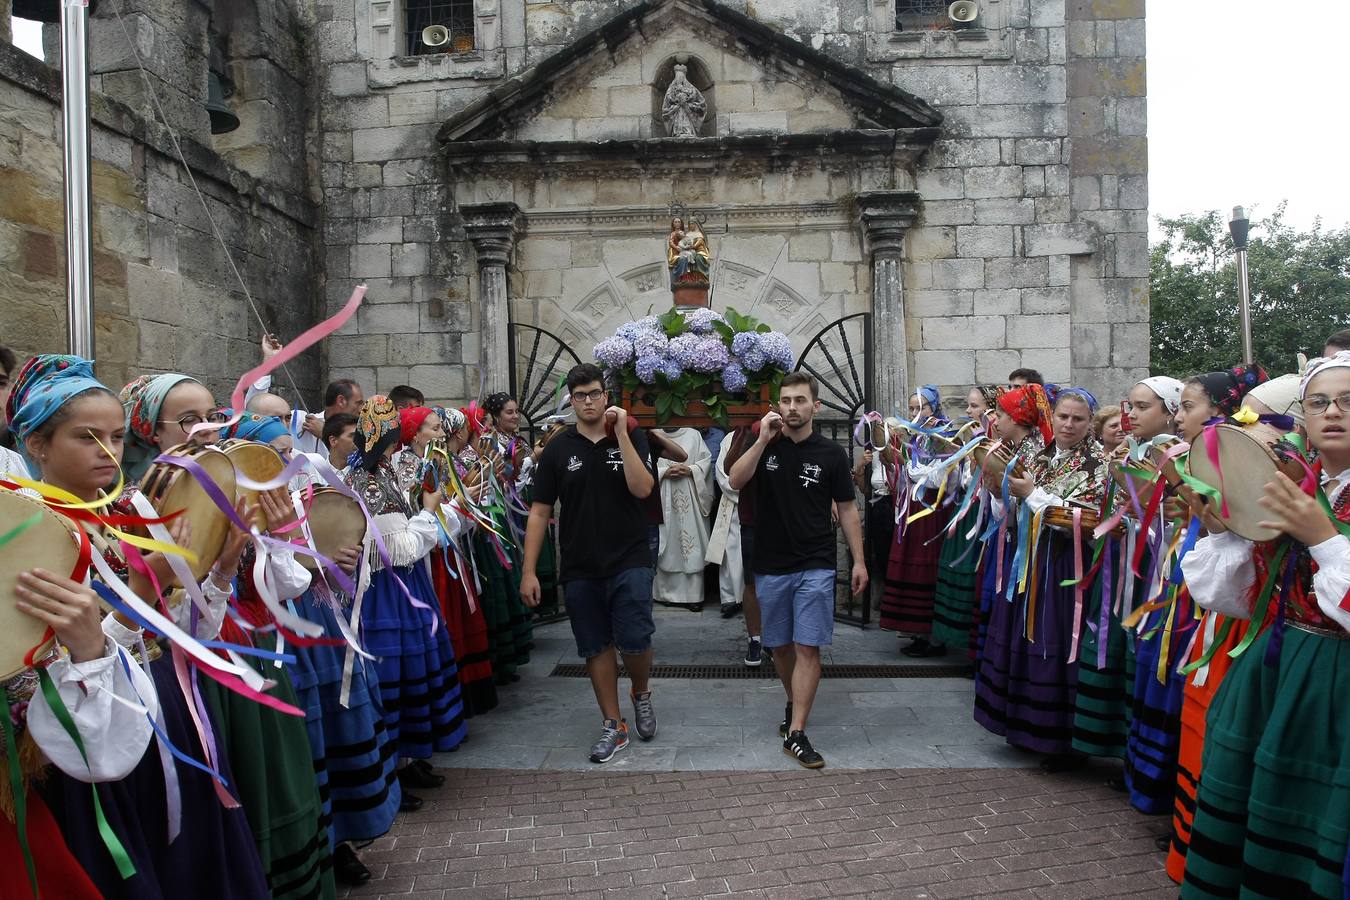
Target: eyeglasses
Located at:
point(192, 420)
point(588, 396)
point(1317, 404)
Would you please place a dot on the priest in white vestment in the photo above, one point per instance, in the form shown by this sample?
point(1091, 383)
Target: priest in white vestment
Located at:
point(724, 545)
point(686, 501)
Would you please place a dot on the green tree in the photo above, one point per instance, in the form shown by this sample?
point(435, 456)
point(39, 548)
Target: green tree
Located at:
point(1300, 286)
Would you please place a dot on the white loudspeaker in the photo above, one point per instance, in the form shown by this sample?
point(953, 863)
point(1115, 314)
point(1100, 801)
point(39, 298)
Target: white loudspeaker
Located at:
point(437, 35)
point(963, 12)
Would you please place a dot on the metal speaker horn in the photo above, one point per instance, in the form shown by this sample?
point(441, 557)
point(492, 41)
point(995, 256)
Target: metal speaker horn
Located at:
point(435, 35)
point(223, 118)
point(963, 12)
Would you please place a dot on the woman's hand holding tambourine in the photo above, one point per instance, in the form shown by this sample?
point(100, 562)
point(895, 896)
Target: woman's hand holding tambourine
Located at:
point(69, 608)
point(347, 558)
point(277, 507)
point(1295, 513)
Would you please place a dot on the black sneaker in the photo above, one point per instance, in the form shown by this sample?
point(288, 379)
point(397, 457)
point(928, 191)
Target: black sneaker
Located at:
point(800, 749)
point(787, 721)
point(730, 609)
point(754, 653)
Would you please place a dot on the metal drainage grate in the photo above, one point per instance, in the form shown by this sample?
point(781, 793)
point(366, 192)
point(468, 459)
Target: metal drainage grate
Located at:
point(574, 670)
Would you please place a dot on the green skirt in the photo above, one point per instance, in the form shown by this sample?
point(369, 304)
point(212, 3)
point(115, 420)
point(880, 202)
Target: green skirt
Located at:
point(956, 598)
point(274, 780)
point(502, 610)
point(1104, 705)
point(1273, 809)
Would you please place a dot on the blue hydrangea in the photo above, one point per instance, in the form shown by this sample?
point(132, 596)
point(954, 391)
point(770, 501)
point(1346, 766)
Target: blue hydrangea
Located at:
point(700, 321)
point(778, 349)
point(670, 368)
point(744, 342)
point(733, 378)
point(649, 343)
point(647, 366)
point(709, 354)
point(647, 324)
point(614, 352)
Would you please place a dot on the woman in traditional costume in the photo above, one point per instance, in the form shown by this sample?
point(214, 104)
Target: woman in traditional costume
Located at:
point(1041, 682)
point(400, 623)
point(512, 506)
point(956, 597)
point(1023, 422)
point(911, 568)
point(1273, 808)
point(96, 684)
point(175, 823)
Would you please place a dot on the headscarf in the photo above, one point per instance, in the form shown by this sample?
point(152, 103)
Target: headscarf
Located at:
point(1028, 406)
point(495, 403)
point(1167, 389)
point(44, 385)
point(1282, 396)
point(928, 395)
point(1082, 394)
point(253, 427)
point(410, 420)
point(142, 400)
point(1339, 360)
point(990, 393)
point(377, 426)
point(477, 418)
point(452, 420)
point(1226, 389)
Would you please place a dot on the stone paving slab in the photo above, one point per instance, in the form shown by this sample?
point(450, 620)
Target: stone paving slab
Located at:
point(906, 833)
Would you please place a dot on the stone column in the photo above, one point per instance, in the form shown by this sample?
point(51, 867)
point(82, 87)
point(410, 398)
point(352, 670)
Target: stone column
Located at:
point(885, 218)
point(492, 228)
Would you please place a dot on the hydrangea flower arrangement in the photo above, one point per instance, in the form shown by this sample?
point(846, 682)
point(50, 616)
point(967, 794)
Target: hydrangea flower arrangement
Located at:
point(700, 356)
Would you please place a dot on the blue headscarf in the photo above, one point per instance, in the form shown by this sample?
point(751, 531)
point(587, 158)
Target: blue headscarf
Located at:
point(44, 385)
point(1081, 393)
point(142, 401)
point(253, 427)
point(928, 393)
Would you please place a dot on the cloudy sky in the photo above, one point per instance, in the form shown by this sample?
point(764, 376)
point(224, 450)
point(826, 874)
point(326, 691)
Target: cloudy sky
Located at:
point(1246, 106)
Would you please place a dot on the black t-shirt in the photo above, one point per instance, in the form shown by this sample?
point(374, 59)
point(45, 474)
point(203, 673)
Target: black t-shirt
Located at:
point(602, 528)
point(794, 485)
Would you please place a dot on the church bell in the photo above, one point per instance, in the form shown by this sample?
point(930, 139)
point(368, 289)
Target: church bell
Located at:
point(223, 118)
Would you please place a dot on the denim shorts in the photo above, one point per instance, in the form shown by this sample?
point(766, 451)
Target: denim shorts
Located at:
point(797, 608)
point(611, 612)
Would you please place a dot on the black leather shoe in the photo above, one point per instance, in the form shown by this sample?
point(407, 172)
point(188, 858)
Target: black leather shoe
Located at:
point(410, 803)
point(1164, 842)
point(415, 776)
point(347, 866)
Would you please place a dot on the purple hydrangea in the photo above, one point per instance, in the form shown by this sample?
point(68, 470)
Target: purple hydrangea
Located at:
point(647, 324)
point(649, 343)
point(733, 378)
point(699, 353)
point(700, 321)
point(614, 352)
point(671, 369)
point(744, 342)
point(778, 349)
point(647, 366)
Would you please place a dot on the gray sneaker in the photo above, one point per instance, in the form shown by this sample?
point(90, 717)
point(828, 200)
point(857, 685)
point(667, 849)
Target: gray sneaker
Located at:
point(644, 717)
point(613, 738)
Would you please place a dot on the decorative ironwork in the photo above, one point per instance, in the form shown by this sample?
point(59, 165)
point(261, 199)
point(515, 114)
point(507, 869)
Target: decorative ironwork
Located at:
point(921, 15)
point(539, 360)
point(840, 358)
point(456, 15)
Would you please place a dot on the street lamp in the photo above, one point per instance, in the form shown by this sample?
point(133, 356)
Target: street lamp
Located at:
point(1238, 227)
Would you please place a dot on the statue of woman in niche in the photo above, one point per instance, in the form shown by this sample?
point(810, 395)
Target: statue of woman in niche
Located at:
point(684, 107)
point(687, 254)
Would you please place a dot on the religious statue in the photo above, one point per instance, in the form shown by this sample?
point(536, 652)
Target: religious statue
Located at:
point(684, 107)
point(687, 254)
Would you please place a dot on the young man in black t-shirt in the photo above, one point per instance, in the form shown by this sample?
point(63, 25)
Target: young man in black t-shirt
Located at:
point(798, 475)
point(606, 575)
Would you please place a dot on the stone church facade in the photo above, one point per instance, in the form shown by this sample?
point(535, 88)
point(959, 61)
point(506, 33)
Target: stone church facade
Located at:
point(980, 192)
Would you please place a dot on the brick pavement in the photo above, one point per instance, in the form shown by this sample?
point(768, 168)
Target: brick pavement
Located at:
point(939, 833)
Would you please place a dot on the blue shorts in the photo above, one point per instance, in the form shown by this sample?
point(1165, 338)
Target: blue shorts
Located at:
point(796, 608)
point(611, 612)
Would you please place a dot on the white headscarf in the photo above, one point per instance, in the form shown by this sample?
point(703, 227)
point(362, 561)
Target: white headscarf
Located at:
point(1281, 395)
point(1340, 360)
point(1167, 389)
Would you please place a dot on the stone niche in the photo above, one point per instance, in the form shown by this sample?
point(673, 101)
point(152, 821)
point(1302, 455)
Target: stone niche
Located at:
point(574, 154)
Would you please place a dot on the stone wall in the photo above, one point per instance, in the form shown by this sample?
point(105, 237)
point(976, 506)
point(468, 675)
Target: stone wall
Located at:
point(165, 296)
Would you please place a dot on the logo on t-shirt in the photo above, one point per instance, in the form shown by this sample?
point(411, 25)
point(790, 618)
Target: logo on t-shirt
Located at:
point(771, 463)
point(573, 464)
point(810, 474)
point(614, 459)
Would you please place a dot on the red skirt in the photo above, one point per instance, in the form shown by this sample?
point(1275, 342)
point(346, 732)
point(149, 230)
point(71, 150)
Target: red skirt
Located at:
point(911, 572)
point(1194, 708)
point(468, 631)
point(58, 872)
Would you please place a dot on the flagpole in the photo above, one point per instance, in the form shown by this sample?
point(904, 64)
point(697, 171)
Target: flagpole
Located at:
point(79, 226)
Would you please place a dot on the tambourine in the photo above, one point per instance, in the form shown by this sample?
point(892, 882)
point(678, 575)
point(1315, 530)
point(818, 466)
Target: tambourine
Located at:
point(336, 522)
point(994, 459)
point(1249, 462)
point(171, 489)
point(49, 543)
point(256, 461)
point(1119, 461)
point(1060, 518)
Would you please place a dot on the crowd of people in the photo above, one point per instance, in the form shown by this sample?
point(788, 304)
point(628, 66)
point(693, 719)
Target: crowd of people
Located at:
point(275, 707)
point(251, 719)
